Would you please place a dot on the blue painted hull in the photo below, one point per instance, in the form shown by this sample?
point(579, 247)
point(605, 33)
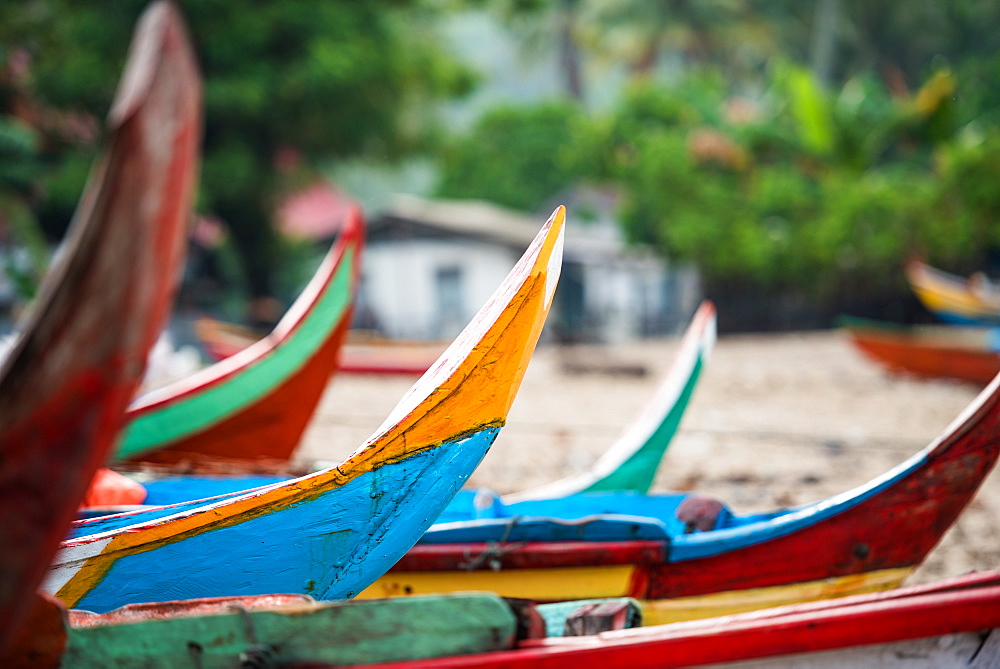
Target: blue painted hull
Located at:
point(630, 517)
point(323, 547)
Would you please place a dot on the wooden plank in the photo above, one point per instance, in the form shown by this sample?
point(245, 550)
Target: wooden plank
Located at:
point(328, 633)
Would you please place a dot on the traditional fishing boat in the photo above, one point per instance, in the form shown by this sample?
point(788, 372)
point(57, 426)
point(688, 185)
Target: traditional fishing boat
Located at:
point(331, 533)
point(952, 623)
point(954, 299)
point(362, 353)
point(632, 461)
point(256, 404)
point(936, 352)
point(629, 464)
point(686, 556)
point(66, 383)
point(944, 624)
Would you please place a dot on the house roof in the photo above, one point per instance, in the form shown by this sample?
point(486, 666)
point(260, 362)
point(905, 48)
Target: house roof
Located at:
point(463, 218)
point(316, 212)
point(412, 216)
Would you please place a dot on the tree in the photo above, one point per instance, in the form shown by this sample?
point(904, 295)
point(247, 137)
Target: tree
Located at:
point(326, 79)
point(519, 157)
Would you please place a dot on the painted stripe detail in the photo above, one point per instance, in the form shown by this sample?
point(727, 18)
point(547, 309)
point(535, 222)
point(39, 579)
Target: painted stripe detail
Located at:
point(162, 426)
point(539, 584)
point(662, 611)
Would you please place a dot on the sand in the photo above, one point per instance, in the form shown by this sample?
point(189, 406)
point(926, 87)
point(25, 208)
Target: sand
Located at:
point(776, 420)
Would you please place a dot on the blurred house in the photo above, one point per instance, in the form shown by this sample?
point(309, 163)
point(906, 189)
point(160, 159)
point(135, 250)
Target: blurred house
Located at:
point(430, 264)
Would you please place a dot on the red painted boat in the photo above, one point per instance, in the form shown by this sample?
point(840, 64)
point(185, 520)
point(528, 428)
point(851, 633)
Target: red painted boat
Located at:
point(65, 385)
point(862, 540)
point(951, 623)
point(935, 352)
point(361, 354)
point(255, 405)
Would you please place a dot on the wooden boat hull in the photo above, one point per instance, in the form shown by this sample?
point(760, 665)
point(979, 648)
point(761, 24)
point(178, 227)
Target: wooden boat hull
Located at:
point(865, 539)
point(952, 298)
point(949, 623)
point(794, 636)
point(65, 385)
point(221, 340)
point(330, 533)
point(632, 461)
point(629, 464)
point(931, 353)
point(256, 405)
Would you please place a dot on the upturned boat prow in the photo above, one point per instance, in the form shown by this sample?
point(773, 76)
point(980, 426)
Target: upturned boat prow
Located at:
point(632, 461)
point(331, 533)
point(83, 347)
point(255, 405)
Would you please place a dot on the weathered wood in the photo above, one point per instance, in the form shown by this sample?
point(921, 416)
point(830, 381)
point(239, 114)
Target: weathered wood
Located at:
point(80, 358)
point(185, 608)
point(863, 625)
point(40, 640)
point(256, 405)
point(329, 534)
point(605, 616)
point(530, 623)
point(324, 633)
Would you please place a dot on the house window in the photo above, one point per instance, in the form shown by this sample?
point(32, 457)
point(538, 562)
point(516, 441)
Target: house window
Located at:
point(450, 305)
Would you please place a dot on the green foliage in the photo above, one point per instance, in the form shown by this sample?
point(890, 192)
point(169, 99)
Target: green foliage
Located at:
point(518, 157)
point(807, 191)
point(20, 166)
point(330, 79)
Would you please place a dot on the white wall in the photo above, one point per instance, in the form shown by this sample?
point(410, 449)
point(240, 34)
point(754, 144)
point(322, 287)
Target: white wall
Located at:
point(400, 283)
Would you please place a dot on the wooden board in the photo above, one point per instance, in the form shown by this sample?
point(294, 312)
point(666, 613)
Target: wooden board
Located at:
point(326, 633)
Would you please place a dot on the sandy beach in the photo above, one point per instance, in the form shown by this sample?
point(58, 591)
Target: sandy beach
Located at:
point(776, 420)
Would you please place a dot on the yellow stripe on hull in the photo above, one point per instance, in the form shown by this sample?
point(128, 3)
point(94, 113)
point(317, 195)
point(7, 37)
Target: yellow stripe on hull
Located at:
point(955, 302)
point(661, 611)
point(539, 584)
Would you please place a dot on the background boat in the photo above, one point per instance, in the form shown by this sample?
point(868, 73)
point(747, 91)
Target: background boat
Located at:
point(866, 539)
point(954, 299)
point(937, 352)
point(255, 405)
point(362, 353)
point(630, 463)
